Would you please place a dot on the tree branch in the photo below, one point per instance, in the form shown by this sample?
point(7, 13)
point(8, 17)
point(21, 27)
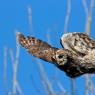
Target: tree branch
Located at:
point(88, 12)
point(67, 15)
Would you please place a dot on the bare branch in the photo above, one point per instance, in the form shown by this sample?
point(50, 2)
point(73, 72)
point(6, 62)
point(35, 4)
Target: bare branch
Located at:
point(5, 69)
point(91, 7)
point(85, 6)
point(73, 87)
point(12, 56)
point(88, 12)
point(48, 36)
point(45, 80)
point(87, 84)
point(92, 87)
point(30, 19)
point(19, 88)
point(15, 63)
point(67, 15)
point(64, 92)
point(14, 72)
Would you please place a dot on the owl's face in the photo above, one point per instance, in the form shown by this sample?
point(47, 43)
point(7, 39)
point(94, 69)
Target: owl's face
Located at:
point(60, 57)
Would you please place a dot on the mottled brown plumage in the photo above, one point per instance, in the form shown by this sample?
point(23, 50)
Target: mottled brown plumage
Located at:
point(78, 43)
point(74, 64)
point(37, 47)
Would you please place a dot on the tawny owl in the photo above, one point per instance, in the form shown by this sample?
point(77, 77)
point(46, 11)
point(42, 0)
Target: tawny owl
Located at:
point(75, 59)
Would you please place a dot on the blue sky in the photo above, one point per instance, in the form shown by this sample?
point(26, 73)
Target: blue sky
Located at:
point(48, 17)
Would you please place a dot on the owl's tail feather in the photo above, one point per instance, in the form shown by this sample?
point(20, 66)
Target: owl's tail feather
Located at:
point(36, 47)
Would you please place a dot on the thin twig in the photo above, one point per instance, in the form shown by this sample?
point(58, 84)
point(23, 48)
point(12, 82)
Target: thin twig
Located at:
point(30, 19)
point(85, 6)
point(19, 89)
point(42, 80)
point(73, 86)
point(87, 85)
point(14, 72)
point(5, 70)
point(88, 12)
point(48, 36)
point(64, 92)
point(45, 79)
point(91, 87)
point(67, 15)
point(12, 56)
point(15, 65)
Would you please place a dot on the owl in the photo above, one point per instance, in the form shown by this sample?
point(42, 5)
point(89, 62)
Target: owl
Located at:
point(77, 56)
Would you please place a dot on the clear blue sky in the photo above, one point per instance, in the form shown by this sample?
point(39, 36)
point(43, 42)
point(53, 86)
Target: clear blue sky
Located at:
point(48, 17)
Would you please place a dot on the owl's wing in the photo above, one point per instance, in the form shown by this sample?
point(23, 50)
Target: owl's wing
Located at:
point(77, 42)
point(37, 48)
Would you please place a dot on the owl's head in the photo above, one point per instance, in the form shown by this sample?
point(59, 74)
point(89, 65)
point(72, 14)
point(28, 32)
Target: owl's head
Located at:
point(60, 57)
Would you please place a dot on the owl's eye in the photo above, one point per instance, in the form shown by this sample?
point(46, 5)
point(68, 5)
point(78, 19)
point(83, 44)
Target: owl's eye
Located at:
point(60, 56)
